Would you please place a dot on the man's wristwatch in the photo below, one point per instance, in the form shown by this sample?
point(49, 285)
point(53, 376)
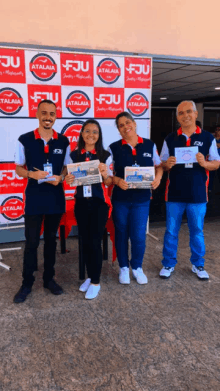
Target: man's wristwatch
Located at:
point(63, 177)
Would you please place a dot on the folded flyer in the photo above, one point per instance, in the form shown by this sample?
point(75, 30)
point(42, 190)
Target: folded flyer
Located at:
point(46, 179)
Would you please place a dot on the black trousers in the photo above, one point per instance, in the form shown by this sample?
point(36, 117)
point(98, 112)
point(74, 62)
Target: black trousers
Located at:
point(32, 234)
point(91, 215)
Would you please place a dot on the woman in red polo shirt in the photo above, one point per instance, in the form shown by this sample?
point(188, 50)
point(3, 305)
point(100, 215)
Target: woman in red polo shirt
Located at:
point(131, 206)
point(93, 205)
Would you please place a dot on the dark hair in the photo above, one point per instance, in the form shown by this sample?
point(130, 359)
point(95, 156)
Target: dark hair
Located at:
point(101, 152)
point(50, 102)
point(123, 114)
point(216, 127)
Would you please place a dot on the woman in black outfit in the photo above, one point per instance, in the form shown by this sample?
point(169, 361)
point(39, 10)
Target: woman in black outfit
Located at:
point(93, 205)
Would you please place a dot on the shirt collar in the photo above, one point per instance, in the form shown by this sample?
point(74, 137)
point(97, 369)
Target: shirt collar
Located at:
point(93, 151)
point(38, 136)
point(198, 131)
point(140, 141)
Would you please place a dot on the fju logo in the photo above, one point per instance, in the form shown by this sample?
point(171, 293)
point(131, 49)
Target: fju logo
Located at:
point(76, 65)
point(137, 72)
point(10, 182)
point(78, 103)
point(37, 93)
point(43, 67)
point(12, 66)
point(11, 101)
point(108, 71)
point(72, 131)
point(137, 104)
point(108, 102)
point(10, 61)
point(12, 208)
point(76, 69)
point(138, 69)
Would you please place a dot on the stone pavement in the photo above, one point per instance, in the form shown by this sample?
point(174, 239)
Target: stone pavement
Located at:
point(163, 336)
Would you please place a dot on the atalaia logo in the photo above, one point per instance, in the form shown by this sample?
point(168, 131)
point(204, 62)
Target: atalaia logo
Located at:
point(11, 101)
point(78, 103)
point(137, 104)
point(43, 67)
point(72, 131)
point(108, 71)
point(12, 208)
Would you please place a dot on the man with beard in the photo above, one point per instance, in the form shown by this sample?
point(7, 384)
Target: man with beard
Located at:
point(41, 156)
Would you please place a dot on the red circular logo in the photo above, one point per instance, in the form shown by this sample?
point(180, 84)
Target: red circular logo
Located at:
point(12, 208)
point(43, 67)
point(72, 131)
point(78, 103)
point(137, 104)
point(11, 101)
point(108, 71)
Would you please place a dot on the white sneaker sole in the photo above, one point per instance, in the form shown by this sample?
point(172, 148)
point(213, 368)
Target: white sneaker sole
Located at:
point(166, 277)
point(140, 283)
point(200, 278)
point(84, 286)
point(124, 283)
point(91, 296)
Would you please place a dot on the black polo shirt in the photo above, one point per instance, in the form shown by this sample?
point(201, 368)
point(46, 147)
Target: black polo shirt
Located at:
point(44, 198)
point(123, 155)
point(188, 184)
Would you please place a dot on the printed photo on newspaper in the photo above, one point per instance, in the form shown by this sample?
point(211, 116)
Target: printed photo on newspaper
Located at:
point(86, 173)
point(139, 177)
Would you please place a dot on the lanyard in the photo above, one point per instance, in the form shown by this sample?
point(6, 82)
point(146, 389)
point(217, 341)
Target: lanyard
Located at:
point(133, 150)
point(46, 152)
point(46, 146)
point(134, 156)
point(88, 154)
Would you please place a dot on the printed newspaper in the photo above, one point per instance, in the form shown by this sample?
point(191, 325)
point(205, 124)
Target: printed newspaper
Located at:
point(86, 173)
point(139, 177)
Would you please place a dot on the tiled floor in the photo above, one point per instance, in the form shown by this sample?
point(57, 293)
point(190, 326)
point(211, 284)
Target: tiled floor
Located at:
point(164, 336)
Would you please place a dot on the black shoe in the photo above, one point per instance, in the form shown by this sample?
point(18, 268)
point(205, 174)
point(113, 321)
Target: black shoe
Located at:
point(53, 287)
point(20, 297)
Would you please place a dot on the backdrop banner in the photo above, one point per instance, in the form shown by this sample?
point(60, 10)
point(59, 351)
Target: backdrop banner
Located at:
point(82, 86)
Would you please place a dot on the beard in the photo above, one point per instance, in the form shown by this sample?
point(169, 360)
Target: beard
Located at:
point(49, 126)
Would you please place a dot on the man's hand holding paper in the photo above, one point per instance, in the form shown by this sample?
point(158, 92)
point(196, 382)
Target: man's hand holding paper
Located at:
point(201, 159)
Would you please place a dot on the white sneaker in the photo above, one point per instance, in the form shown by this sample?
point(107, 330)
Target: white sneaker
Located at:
point(139, 276)
point(166, 272)
point(84, 287)
point(124, 277)
point(92, 291)
point(201, 273)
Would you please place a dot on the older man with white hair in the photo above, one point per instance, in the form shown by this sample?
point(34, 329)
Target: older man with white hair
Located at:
point(188, 154)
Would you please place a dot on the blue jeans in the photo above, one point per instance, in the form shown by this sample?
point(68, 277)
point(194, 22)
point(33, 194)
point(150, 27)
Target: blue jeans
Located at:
point(130, 220)
point(195, 217)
